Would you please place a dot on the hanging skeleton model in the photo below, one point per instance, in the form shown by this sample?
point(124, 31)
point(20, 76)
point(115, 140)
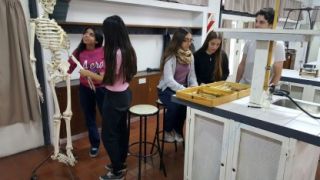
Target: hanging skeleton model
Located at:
point(55, 39)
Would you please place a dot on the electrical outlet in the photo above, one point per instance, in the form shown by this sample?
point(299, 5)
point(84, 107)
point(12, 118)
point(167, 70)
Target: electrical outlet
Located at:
point(142, 80)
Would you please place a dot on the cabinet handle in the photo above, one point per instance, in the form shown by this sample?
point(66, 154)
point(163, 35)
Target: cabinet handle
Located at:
point(222, 164)
point(233, 169)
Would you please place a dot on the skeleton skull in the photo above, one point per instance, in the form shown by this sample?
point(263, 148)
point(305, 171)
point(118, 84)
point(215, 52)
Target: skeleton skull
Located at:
point(48, 5)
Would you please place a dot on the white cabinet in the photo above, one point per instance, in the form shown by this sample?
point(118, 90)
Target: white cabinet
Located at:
point(316, 97)
point(206, 146)
point(220, 148)
point(256, 154)
point(302, 91)
point(296, 90)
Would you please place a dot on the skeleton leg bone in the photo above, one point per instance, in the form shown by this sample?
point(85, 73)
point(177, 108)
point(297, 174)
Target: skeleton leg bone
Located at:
point(57, 155)
point(56, 121)
point(67, 114)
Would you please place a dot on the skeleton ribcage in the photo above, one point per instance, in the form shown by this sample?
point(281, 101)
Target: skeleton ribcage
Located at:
point(51, 35)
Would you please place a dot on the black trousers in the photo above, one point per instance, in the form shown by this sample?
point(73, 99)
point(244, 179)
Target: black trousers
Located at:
point(114, 133)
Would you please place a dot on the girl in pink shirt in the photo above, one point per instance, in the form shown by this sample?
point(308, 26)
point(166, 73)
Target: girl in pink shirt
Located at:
point(121, 66)
point(90, 54)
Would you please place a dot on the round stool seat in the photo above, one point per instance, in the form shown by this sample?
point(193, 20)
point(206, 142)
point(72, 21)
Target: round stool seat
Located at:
point(143, 109)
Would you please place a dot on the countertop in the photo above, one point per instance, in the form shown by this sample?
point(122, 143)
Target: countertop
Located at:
point(280, 120)
point(289, 75)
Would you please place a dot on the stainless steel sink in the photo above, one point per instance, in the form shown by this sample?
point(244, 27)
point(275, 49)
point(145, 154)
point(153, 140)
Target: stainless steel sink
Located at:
point(309, 107)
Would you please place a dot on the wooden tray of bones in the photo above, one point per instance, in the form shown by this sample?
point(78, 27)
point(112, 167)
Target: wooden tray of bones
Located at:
point(214, 94)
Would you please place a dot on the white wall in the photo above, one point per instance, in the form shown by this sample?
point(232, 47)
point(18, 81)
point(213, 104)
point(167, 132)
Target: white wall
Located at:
point(21, 136)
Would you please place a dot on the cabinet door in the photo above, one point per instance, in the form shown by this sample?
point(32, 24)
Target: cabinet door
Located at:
point(316, 97)
point(139, 89)
point(296, 91)
point(285, 86)
point(302, 162)
point(301, 91)
point(257, 154)
point(153, 82)
point(206, 149)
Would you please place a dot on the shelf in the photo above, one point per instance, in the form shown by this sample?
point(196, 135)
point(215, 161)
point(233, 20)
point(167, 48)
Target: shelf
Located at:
point(141, 16)
point(268, 34)
point(77, 28)
point(159, 4)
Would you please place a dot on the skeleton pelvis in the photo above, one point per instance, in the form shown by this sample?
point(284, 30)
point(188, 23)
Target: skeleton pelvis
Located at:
point(58, 71)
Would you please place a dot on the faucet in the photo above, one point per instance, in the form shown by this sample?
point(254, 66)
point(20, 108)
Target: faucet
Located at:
point(271, 90)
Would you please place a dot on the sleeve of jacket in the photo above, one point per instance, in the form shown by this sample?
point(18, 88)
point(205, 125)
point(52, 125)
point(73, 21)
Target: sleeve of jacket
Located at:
point(225, 66)
point(168, 76)
point(192, 81)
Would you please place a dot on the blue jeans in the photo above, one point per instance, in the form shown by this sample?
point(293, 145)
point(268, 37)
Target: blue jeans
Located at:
point(176, 113)
point(88, 100)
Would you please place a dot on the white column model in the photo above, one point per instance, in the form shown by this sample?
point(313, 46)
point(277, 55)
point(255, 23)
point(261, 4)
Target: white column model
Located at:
point(55, 39)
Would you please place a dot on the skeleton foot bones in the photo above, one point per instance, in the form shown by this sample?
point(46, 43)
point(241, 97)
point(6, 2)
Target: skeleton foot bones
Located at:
point(53, 38)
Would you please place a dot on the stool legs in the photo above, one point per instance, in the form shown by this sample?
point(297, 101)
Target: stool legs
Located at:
point(162, 141)
point(145, 139)
point(160, 150)
point(140, 147)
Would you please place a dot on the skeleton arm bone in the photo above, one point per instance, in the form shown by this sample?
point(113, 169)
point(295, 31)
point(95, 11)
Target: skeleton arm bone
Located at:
point(33, 59)
point(81, 68)
point(92, 75)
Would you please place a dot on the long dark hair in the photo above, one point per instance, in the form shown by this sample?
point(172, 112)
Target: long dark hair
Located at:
point(82, 46)
point(174, 45)
point(217, 72)
point(117, 37)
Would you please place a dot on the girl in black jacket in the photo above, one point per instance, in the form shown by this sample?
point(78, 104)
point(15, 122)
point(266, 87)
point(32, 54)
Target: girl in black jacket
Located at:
point(211, 63)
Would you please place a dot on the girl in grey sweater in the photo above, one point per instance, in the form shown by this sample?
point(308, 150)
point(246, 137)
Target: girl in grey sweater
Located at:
point(177, 67)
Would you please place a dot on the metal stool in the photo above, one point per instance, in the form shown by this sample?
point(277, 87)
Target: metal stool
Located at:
point(161, 105)
point(143, 111)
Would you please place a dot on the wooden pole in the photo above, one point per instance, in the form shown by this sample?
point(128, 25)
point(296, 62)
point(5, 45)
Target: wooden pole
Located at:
point(268, 67)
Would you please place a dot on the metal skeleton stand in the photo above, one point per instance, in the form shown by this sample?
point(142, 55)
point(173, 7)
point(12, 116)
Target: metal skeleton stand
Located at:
point(34, 171)
point(53, 38)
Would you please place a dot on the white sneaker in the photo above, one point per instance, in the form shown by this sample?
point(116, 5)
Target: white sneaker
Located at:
point(178, 137)
point(169, 137)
